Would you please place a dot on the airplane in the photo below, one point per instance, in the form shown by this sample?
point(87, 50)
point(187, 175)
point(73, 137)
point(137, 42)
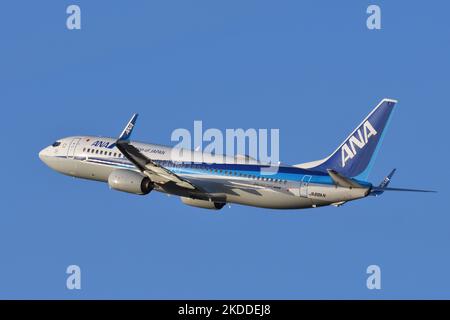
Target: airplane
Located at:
point(140, 168)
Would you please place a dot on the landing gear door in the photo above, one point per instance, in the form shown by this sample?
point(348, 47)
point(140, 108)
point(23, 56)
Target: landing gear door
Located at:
point(72, 148)
point(304, 186)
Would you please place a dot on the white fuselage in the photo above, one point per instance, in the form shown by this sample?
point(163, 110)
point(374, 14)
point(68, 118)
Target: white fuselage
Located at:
point(234, 180)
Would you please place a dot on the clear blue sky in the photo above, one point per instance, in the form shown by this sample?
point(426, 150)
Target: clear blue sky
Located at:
point(310, 68)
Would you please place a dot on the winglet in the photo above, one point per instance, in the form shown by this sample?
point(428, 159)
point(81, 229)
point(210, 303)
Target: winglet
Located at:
point(126, 133)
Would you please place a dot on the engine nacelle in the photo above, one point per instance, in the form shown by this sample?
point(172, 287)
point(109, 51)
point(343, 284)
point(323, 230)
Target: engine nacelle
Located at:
point(203, 203)
point(130, 181)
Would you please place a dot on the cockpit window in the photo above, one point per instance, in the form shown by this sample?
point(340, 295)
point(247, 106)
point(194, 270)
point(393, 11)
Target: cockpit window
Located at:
point(55, 144)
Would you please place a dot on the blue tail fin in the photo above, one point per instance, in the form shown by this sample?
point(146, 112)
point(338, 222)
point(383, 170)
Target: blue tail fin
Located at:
point(355, 156)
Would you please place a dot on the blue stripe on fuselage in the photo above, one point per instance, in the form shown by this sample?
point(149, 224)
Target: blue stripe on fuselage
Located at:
point(238, 170)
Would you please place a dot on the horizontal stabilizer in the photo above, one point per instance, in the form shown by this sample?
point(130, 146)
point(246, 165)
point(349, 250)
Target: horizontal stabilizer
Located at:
point(342, 181)
point(378, 190)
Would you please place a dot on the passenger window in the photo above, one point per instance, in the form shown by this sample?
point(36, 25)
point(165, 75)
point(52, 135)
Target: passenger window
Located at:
point(96, 151)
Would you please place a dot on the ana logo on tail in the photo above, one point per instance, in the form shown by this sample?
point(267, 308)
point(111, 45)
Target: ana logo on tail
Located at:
point(348, 150)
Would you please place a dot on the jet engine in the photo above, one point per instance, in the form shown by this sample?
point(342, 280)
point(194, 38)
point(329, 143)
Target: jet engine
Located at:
point(130, 181)
point(203, 203)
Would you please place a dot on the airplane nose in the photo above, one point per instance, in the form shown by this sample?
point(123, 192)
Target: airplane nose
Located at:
point(43, 153)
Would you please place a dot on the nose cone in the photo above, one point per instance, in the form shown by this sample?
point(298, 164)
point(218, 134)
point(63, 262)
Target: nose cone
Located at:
point(41, 155)
point(47, 156)
point(44, 154)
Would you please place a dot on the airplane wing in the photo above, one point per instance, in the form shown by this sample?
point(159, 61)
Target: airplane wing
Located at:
point(155, 172)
